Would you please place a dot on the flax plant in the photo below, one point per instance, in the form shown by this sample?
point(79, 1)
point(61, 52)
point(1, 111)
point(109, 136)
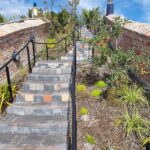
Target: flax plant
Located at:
point(132, 96)
point(135, 124)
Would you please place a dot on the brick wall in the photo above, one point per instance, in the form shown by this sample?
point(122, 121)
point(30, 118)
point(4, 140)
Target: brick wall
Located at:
point(135, 35)
point(13, 36)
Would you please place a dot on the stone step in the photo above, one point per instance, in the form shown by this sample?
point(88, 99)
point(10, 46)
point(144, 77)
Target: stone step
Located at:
point(43, 97)
point(55, 112)
point(30, 103)
point(36, 87)
point(49, 78)
point(78, 55)
point(11, 141)
point(71, 58)
point(32, 142)
point(82, 46)
point(54, 64)
point(46, 71)
point(79, 51)
point(41, 125)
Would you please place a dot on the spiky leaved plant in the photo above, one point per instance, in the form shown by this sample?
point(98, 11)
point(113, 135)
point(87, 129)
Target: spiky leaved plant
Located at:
point(134, 124)
point(5, 95)
point(132, 96)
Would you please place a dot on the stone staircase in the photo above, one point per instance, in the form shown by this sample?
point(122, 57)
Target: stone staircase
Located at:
point(38, 119)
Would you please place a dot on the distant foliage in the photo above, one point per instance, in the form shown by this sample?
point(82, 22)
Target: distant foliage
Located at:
point(2, 19)
point(30, 13)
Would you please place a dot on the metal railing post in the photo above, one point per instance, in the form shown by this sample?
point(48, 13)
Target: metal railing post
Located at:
point(78, 34)
point(92, 51)
point(47, 56)
point(74, 122)
point(33, 46)
point(29, 63)
point(65, 45)
point(9, 84)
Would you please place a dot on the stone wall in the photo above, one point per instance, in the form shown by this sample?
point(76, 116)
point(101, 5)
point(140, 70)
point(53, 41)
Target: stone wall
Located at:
point(13, 36)
point(135, 35)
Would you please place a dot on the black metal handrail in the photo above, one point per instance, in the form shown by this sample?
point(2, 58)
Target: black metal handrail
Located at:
point(7, 68)
point(73, 96)
point(26, 46)
point(54, 43)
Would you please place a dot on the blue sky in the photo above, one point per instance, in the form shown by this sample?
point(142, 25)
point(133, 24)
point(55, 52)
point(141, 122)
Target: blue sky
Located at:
point(138, 10)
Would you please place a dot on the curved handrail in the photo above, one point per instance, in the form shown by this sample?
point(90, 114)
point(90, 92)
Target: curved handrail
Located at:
point(11, 59)
point(30, 40)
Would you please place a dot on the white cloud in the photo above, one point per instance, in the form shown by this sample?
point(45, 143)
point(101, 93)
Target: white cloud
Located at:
point(89, 4)
point(13, 7)
point(145, 5)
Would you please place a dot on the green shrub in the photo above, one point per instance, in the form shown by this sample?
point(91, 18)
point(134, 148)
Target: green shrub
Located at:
point(132, 95)
point(100, 84)
point(81, 88)
point(83, 111)
point(118, 78)
point(90, 139)
point(122, 59)
point(134, 123)
point(96, 93)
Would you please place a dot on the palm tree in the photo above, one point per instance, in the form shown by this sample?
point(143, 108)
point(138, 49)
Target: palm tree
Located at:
point(90, 17)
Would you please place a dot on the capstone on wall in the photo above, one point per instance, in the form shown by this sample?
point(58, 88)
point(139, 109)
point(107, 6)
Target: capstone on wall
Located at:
point(135, 35)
